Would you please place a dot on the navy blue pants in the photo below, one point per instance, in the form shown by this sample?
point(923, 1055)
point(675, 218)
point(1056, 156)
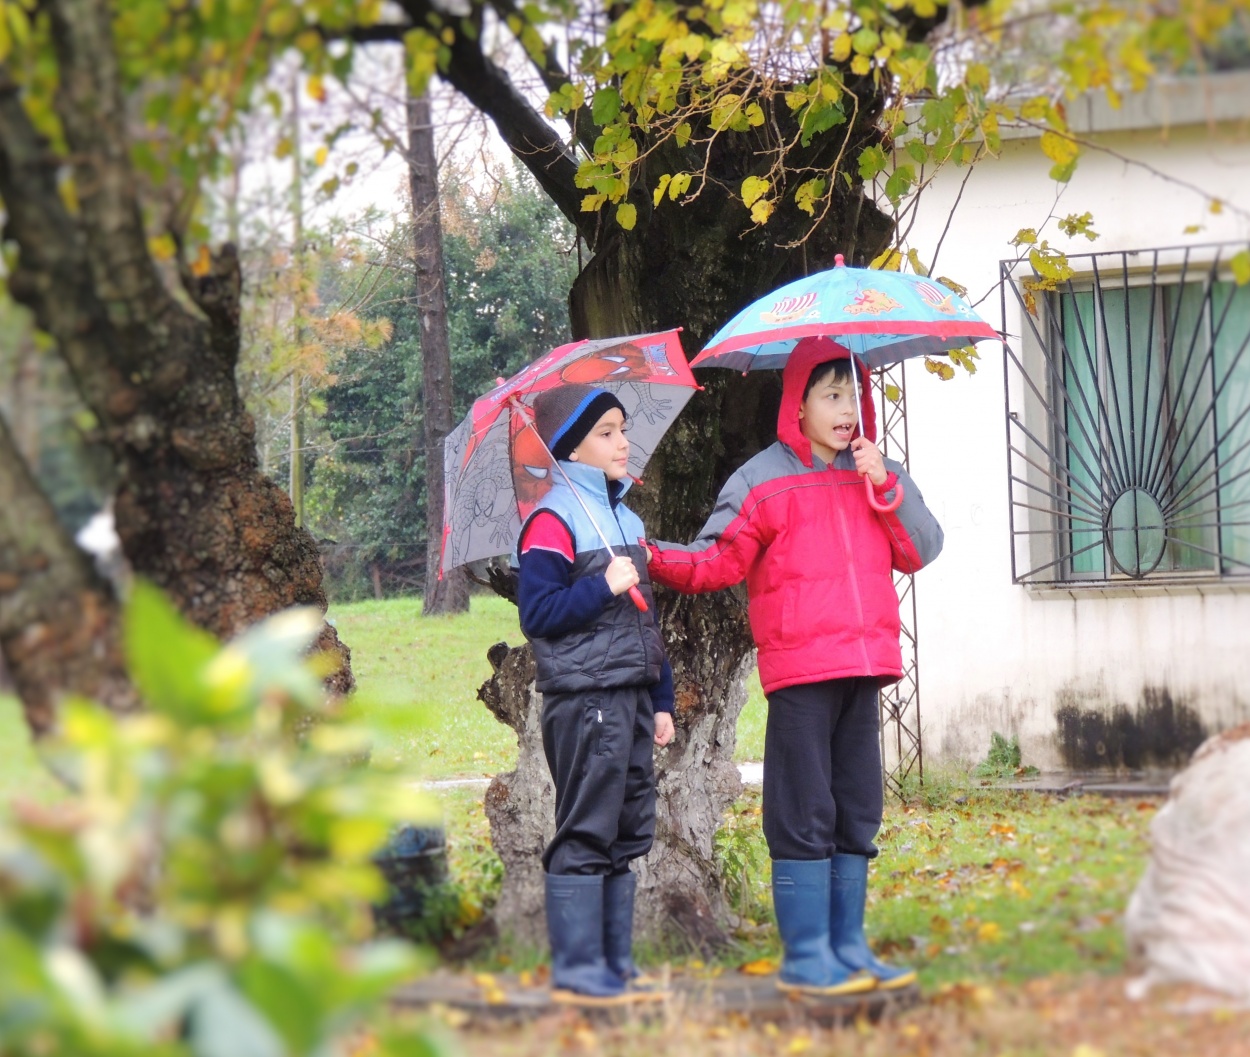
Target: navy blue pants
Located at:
point(598, 745)
point(822, 770)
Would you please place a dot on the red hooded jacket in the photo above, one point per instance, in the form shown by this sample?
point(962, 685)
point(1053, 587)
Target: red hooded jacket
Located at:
point(817, 558)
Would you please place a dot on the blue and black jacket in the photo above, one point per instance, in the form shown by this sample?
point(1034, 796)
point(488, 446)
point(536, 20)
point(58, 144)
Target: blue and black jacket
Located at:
point(584, 637)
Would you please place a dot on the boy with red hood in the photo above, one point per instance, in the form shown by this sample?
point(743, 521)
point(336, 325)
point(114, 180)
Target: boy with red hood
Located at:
point(796, 524)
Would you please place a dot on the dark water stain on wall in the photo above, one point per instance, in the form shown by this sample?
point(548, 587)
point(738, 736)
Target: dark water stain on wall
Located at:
point(1159, 732)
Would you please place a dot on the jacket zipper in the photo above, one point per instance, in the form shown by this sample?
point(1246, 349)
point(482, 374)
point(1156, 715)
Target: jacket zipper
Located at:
point(854, 579)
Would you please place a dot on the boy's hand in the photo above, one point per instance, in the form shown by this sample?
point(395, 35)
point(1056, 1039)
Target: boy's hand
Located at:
point(663, 728)
point(868, 460)
point(621, 575)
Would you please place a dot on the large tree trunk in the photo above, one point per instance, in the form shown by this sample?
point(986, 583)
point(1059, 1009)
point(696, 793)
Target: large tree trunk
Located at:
point(58, 619)
point(448, 593)
point(193, 511)
point(678, 272)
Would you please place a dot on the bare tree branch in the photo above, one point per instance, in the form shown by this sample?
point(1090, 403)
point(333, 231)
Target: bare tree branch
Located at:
point(525, 131)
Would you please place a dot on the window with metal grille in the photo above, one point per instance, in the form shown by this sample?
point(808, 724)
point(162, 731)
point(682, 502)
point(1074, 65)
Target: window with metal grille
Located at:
point(1129, 421)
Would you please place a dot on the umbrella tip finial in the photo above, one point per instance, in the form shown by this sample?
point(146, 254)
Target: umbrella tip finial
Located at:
point(838, 260)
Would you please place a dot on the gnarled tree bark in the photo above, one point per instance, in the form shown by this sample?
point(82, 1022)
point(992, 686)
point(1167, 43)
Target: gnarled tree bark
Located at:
point(194, 513)
point(58, 619)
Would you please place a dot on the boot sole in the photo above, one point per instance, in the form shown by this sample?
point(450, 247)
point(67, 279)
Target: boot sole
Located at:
point(851, 987)
point(627, 998)
point(898, 983)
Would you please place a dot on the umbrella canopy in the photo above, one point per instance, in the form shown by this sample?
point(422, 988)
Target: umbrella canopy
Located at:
point(882, 317)
point(497, 468)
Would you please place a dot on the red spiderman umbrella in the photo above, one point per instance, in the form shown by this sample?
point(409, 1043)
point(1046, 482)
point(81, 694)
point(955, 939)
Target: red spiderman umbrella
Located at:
point(497, 466)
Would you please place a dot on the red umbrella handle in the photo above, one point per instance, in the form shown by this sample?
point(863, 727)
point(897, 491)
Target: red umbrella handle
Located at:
point(883, 508)
point(639, 601)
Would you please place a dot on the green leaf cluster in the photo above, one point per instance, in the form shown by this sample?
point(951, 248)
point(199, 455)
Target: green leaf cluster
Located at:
point(1003, 760)
point(205, 890)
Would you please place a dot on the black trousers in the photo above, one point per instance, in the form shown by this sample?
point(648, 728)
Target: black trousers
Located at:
point(598, 745)
point(822, 770)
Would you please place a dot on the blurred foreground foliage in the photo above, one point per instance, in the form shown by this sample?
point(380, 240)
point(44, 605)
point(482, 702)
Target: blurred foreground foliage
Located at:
point(206, 889)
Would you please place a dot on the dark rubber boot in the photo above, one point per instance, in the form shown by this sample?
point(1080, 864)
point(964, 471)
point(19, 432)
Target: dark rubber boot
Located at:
point(618, 924)
point(801, 902)
point(618, 934)
point(848, 892)
point(575, 929)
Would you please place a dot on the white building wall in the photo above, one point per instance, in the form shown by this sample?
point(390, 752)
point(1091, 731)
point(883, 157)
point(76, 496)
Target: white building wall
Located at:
point(995, 656)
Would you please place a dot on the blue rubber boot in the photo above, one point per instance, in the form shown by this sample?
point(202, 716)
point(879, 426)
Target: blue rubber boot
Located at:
point(618, 934)
point(801, 903)
point(579, 972)
point(848, 892)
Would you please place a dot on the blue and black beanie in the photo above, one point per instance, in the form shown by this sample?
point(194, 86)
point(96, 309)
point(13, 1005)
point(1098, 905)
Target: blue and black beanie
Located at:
point(563, 416)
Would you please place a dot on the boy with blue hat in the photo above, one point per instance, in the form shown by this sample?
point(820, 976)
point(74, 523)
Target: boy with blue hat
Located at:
point(607, 690)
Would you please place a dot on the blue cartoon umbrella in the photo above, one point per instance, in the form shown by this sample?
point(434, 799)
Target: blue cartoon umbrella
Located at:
point(882, 317)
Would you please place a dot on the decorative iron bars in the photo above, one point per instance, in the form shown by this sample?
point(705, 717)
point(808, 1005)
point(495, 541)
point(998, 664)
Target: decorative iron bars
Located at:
point(1128, 420)
point(901, 747)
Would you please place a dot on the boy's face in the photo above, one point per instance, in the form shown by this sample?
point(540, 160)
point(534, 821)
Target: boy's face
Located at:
point(828, 416)
point(606, 447)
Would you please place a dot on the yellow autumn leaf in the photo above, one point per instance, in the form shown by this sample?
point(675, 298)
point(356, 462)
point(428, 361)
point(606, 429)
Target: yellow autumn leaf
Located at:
point(753, 187)
point(1084, 1049)
point(323, 152)
point(762, 210)
point(627, 215)
point(162, 246)
point(760, 967)
point(1059, 149)
point(661, 186)
point(841, 49)
point(203, 261)
point(989, 932)
point(799, 1044)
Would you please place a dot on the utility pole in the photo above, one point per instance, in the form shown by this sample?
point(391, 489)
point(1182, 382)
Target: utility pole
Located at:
point(297, 259)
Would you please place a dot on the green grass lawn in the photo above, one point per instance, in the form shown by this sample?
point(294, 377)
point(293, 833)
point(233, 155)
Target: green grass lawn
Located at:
point(418, 677)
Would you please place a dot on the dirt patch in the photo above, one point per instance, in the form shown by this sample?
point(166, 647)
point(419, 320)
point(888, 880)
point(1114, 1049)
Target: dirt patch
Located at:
point(1054, 1017)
